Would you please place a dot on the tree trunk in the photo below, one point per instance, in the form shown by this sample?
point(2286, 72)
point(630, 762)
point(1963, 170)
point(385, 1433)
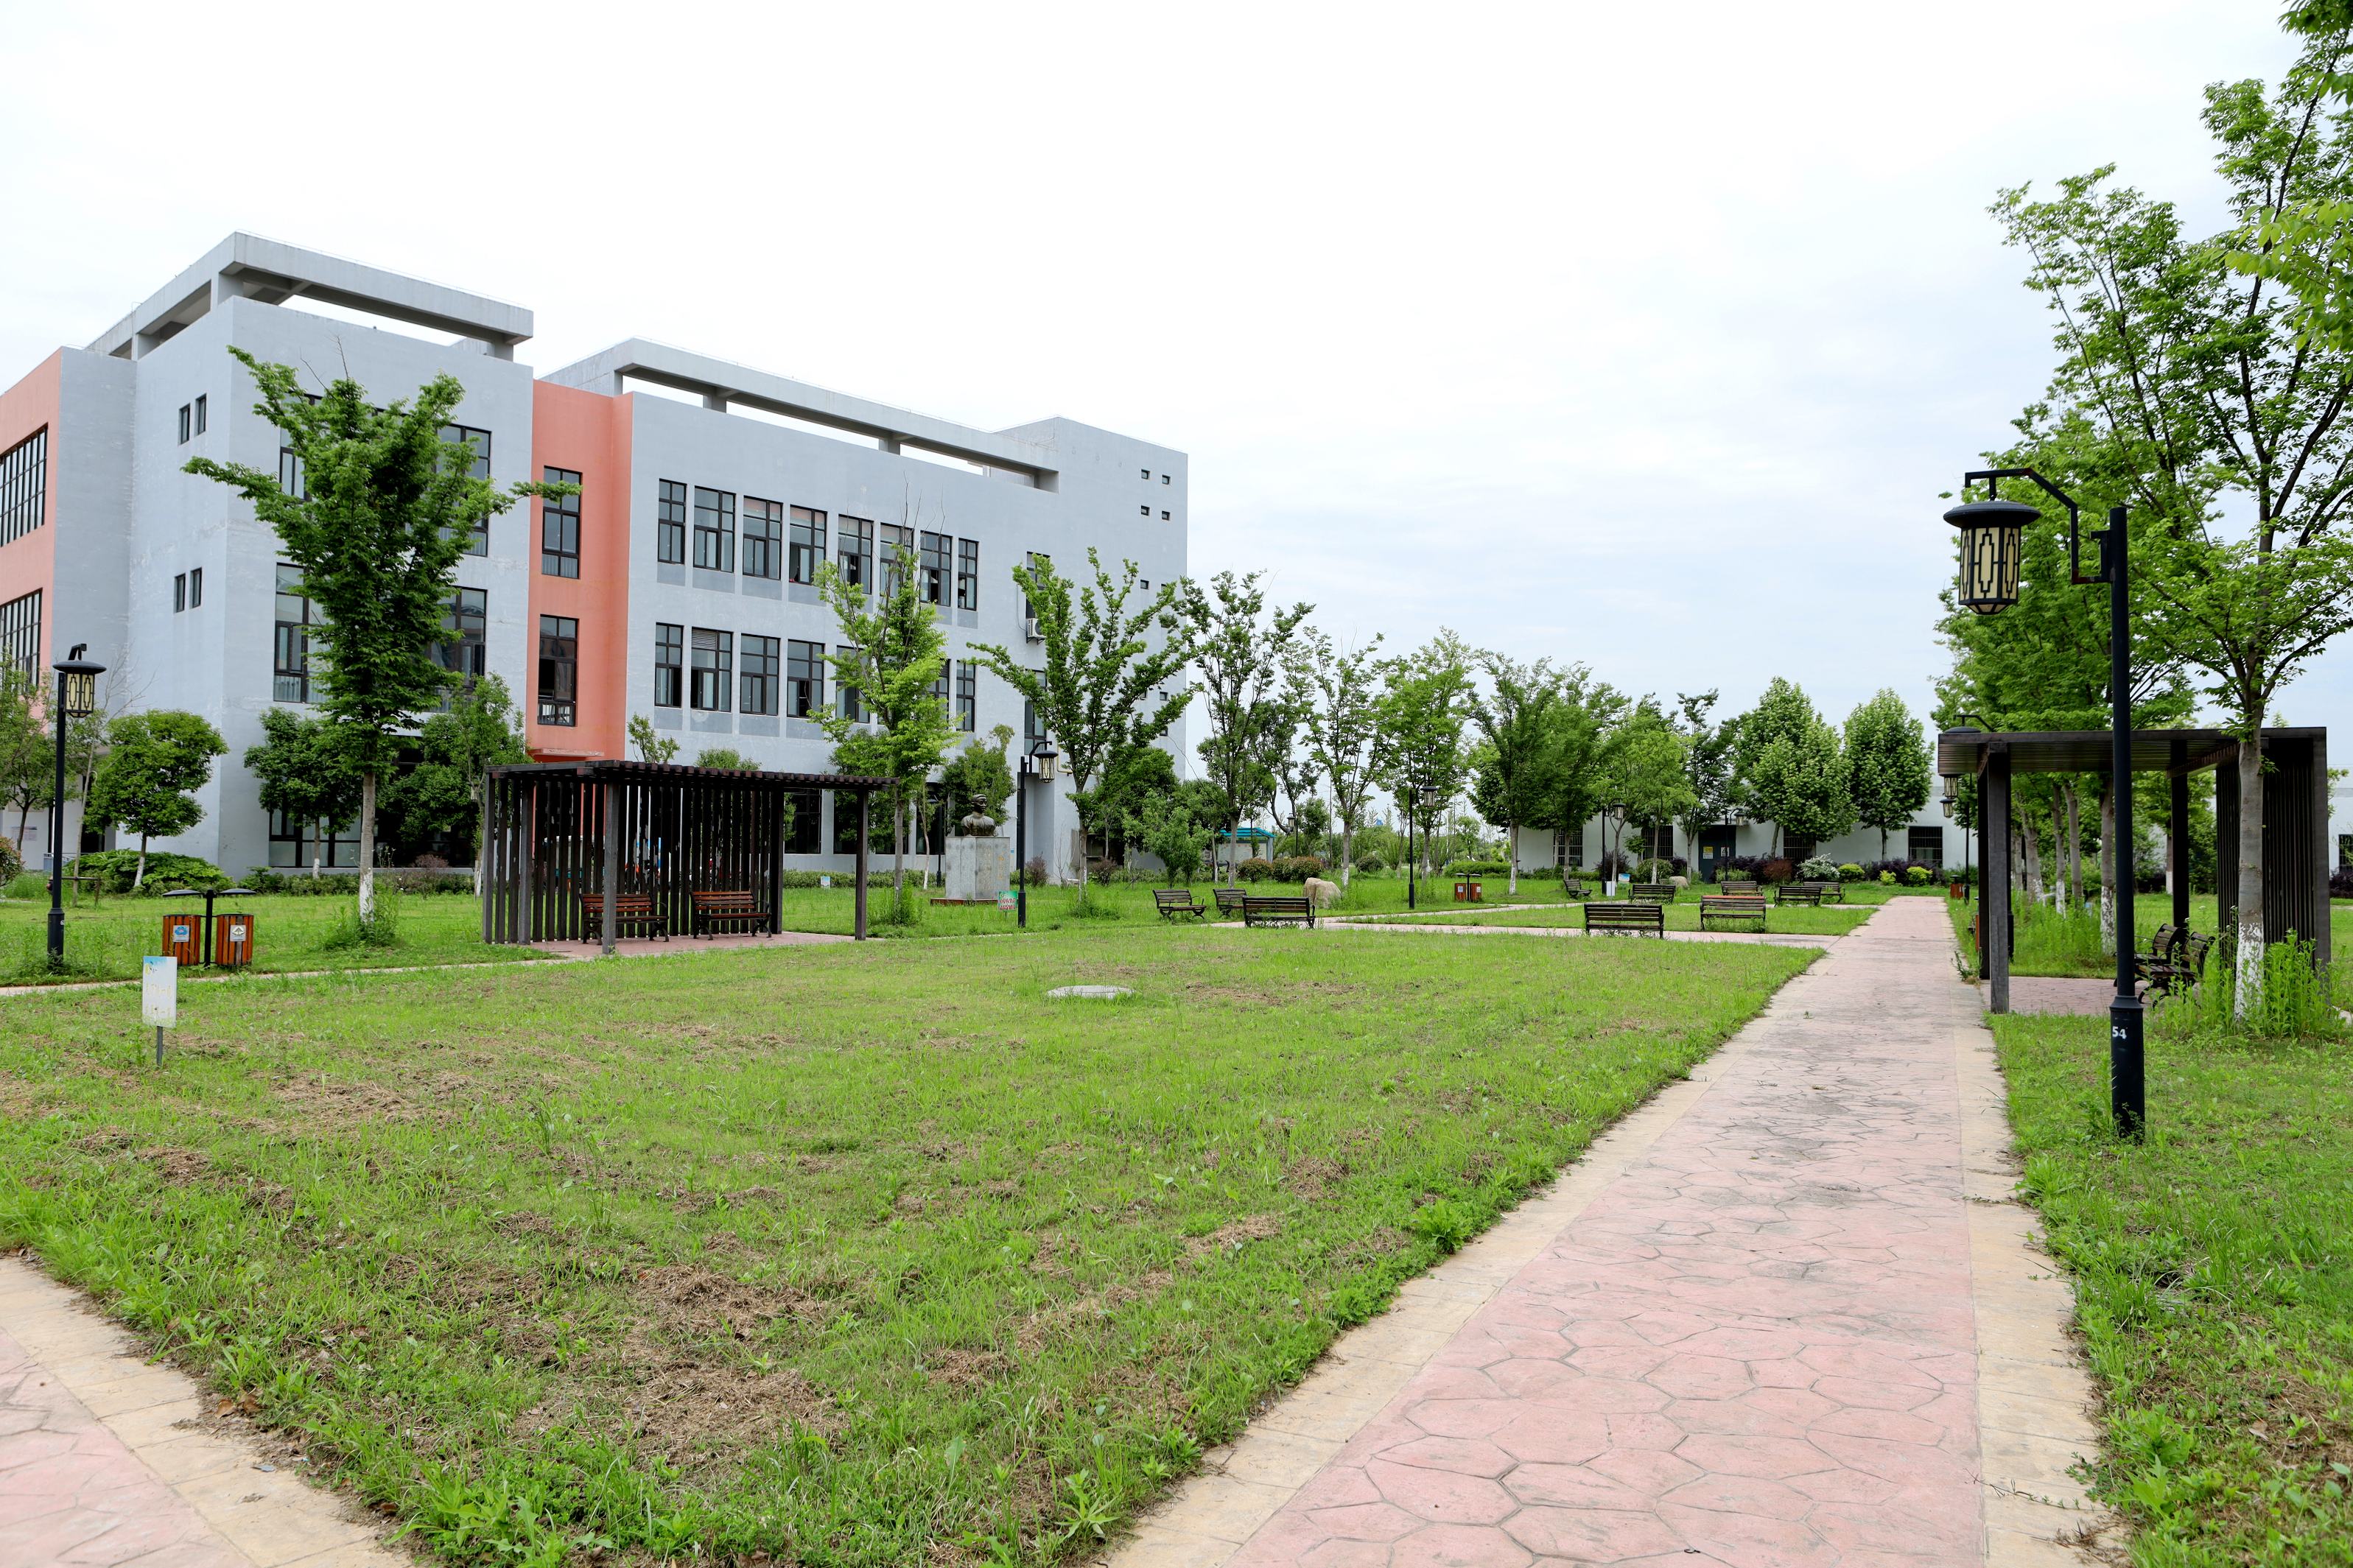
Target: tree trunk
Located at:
point(317, 845)
point(140, 876)
point(899, 856)
point(2116, 860)
point(1347, 852)
point(2075, 846)
point(1512, 854)
point(2031, 844)
point(2249, 964)
point(367, 846)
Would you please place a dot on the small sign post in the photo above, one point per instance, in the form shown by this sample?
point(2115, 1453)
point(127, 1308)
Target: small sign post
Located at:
point(1004, 902)
point(159, 997)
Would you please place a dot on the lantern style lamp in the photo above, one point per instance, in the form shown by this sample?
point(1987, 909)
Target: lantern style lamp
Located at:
point(1993, 539)
point(77, 698)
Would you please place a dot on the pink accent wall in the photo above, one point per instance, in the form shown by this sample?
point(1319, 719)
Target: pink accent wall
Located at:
point(588, 433)
point(30, 562)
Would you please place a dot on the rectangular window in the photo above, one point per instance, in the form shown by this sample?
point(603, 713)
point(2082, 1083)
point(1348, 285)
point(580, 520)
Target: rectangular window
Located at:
point(1572, 848)
point(200, 415)
point(1036, 563)
point(715, 529)
point(844, 825)
point(480, 440)
point(804, 678)
point(24, 486)
point(293, 844)
point(763, 538)
point(185, 426)
point(898, 554)
point(464, 625)
point(933, 582)
point(179, 593)
point(807, 547)
point(559, 528)
point(844, 693)
point(1032, 728)
point(759, 678)
point(1796, 847)
point(291, 478)
point(20, 635)
point(806, 834)
point(669, 524)
point(559, 670)
point(967, 697)
point(1164, 479)
point(1927, 845)
point(669, 665)
point(1163, 517)
point(291, 658)
point(855, 539)
point(195, 588)
point(967, 574)
point(940, 688)
point(1145, 511)
point(715, 661)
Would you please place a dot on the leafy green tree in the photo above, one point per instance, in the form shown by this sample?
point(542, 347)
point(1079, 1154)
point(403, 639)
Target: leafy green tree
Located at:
point(380, 513)
point(1519, 737)
point(1426, 699)
point(146, 781)
point(1641, 779)
point(1888, 764)
point(652, 745)
point(1129, 780)
point(1782, 713)
point(1166, 829)
point(980, 779)
point(1102, 690)
point(1241, 650)
point(1707, 766)
point(1342, 730)
point(28, 749)
point(1570, 792)
point(725, 757)
point(306, 772)
point(449, 790)
point(1790, 768)
point(891, 656)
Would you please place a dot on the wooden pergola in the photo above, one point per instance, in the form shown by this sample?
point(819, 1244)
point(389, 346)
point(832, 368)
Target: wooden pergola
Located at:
point(2296, 821)
point(561, 836)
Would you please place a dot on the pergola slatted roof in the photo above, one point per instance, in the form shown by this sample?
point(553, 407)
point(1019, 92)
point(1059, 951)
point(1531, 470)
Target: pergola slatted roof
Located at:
point(2089, 751)
point(622, 770)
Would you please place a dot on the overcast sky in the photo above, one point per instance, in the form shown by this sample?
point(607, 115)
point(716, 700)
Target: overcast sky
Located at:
point(1643, 337)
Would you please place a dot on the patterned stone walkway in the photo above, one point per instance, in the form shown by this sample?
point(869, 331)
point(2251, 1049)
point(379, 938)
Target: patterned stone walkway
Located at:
point(1752, 1338)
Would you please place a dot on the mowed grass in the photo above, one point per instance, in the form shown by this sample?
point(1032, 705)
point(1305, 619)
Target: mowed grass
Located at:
point(105, 940)
point(1829, 919)
point(844, 1255)
point(2214, 1281)
point(2068, 943)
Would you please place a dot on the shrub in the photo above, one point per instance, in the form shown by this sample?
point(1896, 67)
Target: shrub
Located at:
point(27, 885)
point(1819, 869)
point(1775, 870)
point(1917, 876)
point(1371, 863)
point(166, 873)
point(1254, 870)
point(1849, 872)
point(1033, 872)
point(1468, 867)
point(1609, 868)
point(1299, 868)
point(1654, 870)
point(12, 864)
point(1887, 878)
point(2340, 882)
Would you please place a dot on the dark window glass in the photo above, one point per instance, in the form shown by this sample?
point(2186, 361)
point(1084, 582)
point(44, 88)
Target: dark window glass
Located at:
point(845, 826)
point(293, 844)
point(559, 528)
point(967, 574)
point(763, 538)
point(806, 835)
point(559, 670)
point(24, 486)
point(715, 529)
point(898, 549)
point(1927, 845)
point(290, 658)
point(1028, 610)
point(480, 440)
point(463, 626)
point(967, 697)
point(844, 693)
point(855, 541)
point(669, 524)
point(932, 584)
point(197, 588)
point(713, 671)
point(1796, 847)
point(179, 593)
point(669, 665)
point(804, 678)
point(1032, 729)
point(759, 676)
point(183, 424)
point(20, 635)
point(200, 415)
point(291, 478)
point(808, 544)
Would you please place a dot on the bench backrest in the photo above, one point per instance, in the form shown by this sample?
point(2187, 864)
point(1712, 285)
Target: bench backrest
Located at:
point(1227, 897)
point(1652, 890)
point(1277, 904)
point(1733, 904)
point(1181, 897)
point(702, 899)
point(1736, 888)
point(1628, 913)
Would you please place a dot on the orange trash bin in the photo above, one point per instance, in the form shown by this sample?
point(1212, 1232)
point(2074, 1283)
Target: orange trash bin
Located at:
point(232, 940)
point(183, 939)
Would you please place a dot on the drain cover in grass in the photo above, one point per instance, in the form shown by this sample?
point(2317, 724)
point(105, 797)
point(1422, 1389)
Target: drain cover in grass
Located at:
point(1090, 993)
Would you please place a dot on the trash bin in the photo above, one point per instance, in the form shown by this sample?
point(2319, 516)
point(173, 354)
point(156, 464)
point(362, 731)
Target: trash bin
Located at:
point(183, 939)
point(232, 940)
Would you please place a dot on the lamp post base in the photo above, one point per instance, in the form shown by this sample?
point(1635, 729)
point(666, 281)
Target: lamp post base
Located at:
point(2127, 1098)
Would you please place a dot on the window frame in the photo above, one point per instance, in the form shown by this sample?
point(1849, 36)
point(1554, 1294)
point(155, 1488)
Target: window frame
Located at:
point(179, 591)
point(670, 660)
point(857, 564)
point(195, 588)
point(804, 545)
point(24, 485)
point(478, 541)
point(759, 674)
point(464, 653)
point(804, 678)
point(296, 668)
point(935, 560)
point(967, 697)
point(559, 526)
point(763, 551)
point(670, 523)
point(560, 708)
point(20, 633)
point(714, 540)
point(894, 543)
point(715, 676)
point(848, 701)
point(185, 423)
point(968, 595)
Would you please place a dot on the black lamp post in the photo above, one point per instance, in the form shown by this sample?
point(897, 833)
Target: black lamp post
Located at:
point(1410, 875)
point(1992, 531)
point(77, 698)
point(1035, 762)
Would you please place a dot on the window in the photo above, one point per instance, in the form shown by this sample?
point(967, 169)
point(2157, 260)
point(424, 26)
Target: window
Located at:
point(845, 692)
point(195, 588)
point(854, 537)
point(24, 486)
point(845, 826)
point(1039, 566)
point(1163, 517)
point(669, 524)
point(967, 697)
point(1569, 847)
point(559, 528)
point(2344, 840)
point(940, 687)
point(804, 678)
point(1164, 479)
point(20, 635)
point(808, 545)
point(480, 440)
point(669, 665)
point(898, 545)
point(290, 658)
point(1147, 476)
point(806, 834)
point(1658, 842)
point(179, 593)
point(459, 651)
point(1032, 728)
point(1146, 509)
point(714, 658)
point(715, 529)
point(932, 585)
point(1796, 847)
point(967, 574)
point(759, 678)
point(1927, 845)
point(559, 670)
point(291, 478)
point(763, 538)
point(200, 415)
point(294, 844)
point(184, 423)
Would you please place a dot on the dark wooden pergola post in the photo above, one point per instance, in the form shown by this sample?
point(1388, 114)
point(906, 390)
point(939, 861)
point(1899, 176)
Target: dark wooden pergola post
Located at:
point(1993, 907)
point(860, 929)
point(2177, 829)
point(610, 799)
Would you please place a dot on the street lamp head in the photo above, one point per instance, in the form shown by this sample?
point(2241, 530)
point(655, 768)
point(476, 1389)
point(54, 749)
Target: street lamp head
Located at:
point(1044, 752)
point(77, 685)
point(1992, 537)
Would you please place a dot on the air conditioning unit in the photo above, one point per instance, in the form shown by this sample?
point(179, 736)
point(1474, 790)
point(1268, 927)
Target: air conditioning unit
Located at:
point(1029, 629)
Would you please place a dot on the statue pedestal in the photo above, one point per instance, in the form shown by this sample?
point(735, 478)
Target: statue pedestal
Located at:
point(978, 869)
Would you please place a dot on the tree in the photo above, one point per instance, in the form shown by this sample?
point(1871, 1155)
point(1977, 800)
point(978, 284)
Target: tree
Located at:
point(1102, 688)
point(1707, 766)
point(1425, 700)
point(1886, 765)
point(1514, 720)
point(1589, 712)
point(1166, 829)
point(1343, 731)
point(447, 790)
point(1129, 780)
point(154, 764)
point(1641, 778)
point(1788, 763)
point(28, 749)
point(652, 745)
point(306, 774)
point(979, 779)
point(381, 511)
point(1241, 650)
point(1782, 713)
point(890, 657)
point(725, 757)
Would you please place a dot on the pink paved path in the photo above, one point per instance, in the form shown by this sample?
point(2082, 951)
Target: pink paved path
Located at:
point(1756, 1348)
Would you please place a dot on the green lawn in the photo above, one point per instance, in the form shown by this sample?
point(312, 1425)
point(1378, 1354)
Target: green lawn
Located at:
point(2214, 1281)
point(1830, 920)
point(2051, 943)
point(105, 940)
point(848, 1255)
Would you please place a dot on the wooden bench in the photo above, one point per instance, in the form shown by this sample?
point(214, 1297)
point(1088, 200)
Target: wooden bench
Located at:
point(1652, 892)
point(629, 910)
point(1730, 907)
point(1798, 893)
point(1229, 900)
point(1573, 890)
point(1174, 902)
point(1634, 919)
point(718, 908)
point(1278, 909)
point(1831, 892)
point(1737, 888)
point(2174, 961)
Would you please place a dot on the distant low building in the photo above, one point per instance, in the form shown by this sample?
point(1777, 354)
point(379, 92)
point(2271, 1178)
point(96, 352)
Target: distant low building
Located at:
point(1931, 838)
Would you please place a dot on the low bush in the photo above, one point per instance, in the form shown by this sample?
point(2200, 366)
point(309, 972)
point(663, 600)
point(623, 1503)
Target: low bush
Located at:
point(1467, 866)
point(1775, 870)
point(1299, 868)
point(27, 885)
point(1254, 870)
point(1819, 869)
point(166, 873)
point(1849, 872)
point(12, 864)
point(1369, 864)
point(2340, 882)
point(1918, 877)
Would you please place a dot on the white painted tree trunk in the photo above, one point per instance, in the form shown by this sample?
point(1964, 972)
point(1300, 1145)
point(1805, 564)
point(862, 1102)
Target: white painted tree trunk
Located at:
point(1512, 854)
point(1347, 853)
point(2112, 865)
point(367, 848)
point(2249, 964)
